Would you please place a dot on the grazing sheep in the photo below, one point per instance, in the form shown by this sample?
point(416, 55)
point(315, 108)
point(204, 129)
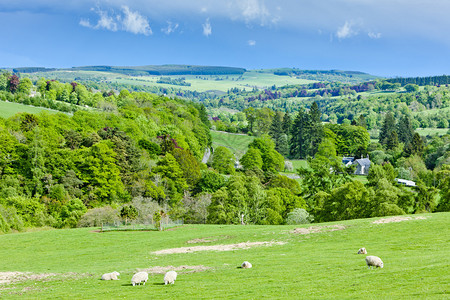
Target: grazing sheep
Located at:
point(374, 261)
point(139, 277)
point(246, 265)
point(170, 277)
point(362, 251)
point(111, 276)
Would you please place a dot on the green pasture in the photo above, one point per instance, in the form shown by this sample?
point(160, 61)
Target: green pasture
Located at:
point(8, 109)
point(432, 131)
point(237, 143)
point(321, 265)
point(200, 83)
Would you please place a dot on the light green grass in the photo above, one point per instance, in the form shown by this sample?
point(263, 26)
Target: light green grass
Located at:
point(237, 143)
point(9, 109)
point(312, 266)
point(200, 83)
point(432, 131)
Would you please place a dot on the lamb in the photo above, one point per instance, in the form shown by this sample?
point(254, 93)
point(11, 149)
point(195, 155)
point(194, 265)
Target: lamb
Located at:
point(111, 276)
point(374, 261)
point(139, 277)
point(246, 265)
point(362, 251)
point(170, 277)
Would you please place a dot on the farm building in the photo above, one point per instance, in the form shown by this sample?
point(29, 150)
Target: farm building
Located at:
point(405, 182)
point(362, 166)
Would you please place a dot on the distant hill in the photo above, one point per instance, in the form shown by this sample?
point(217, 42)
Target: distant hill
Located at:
point(324, 75)
point(147, 70)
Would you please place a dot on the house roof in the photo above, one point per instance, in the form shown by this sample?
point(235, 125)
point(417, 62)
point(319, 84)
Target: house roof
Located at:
point(362, 162)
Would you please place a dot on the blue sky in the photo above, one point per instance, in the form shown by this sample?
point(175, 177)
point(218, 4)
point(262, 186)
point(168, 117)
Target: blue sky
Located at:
point(381, 37)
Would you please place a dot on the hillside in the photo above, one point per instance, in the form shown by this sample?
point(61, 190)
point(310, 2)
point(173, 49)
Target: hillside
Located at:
point(147, 70)
point(317, 262)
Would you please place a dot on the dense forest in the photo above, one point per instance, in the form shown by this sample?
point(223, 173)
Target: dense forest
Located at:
point(133, 154)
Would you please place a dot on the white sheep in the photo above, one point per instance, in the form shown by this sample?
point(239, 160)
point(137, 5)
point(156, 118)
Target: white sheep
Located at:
point(246, 265)
point(362, 251)
point(139, 277)
point(111, 276)
point(170, 277)
point(374, 261)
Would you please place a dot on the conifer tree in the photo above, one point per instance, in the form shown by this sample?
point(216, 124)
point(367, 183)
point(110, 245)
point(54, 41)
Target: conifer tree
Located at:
point(315, 128)
point(387, 128)
point(405, 130)
point(287, 123)
point(300, 135)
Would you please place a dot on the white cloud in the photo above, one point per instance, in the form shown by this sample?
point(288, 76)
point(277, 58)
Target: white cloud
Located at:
point(254, 10)
point(251, 42)
point(345, 31)
point(85, 23)
point(130, 21)
point(134, 22)
point(105, 21)
point(207, 30)
point(374, 35)
point(170, 28)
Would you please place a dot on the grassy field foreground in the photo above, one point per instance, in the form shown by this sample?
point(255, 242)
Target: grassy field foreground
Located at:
point(315, 265)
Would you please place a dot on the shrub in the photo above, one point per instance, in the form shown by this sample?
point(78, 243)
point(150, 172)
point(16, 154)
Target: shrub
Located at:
point(299, 216)
point(96, 216)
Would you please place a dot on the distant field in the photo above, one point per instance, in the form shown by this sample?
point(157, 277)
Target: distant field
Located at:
point(318, 262)
point(9, 109)
point(432, 131)
point(200, 83)
point(237, 143)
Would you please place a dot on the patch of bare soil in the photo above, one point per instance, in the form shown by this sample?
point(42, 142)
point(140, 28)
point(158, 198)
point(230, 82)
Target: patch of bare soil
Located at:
point(180, 269)
point(14, 277)
point(229, 247)
point(207, 239)
point(397, 219)
point(317, 229)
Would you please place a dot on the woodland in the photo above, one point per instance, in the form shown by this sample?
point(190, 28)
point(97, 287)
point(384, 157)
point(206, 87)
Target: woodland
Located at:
point(112, 153)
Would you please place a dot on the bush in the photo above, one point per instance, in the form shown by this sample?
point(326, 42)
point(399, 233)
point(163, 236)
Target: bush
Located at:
point(146, 208)
point(299, 216)
point(96, 216)
point(9, 219)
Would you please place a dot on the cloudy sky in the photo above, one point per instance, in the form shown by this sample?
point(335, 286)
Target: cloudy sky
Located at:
point(381, 37)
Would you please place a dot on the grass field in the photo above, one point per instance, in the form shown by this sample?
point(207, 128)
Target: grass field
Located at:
point(237, 143)
point(320, 265)
point(432, 131)
point(200, 83)
point(9, 109)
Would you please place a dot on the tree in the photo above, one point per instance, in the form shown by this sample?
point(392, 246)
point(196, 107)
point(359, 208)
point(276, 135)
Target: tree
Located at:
point(223, 160)
point(25, 86)
point(128, 212)
point(316, 129)
point(349, 201)
point(387, 127)
point(362, 121)
point(13, 83)
point(392, 140)
point(252, 159)
point(287, 123)
point(250, 114)
point(405, 130)
point(300, 135)
point(415, 147)
point(410, 88)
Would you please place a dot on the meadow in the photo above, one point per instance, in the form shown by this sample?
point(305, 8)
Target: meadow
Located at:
point(311, 261)
point(237, 143)
point(9, 109)
point(200, 83)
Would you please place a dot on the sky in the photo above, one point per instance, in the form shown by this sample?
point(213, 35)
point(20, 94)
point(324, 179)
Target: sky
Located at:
point(382, 37)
